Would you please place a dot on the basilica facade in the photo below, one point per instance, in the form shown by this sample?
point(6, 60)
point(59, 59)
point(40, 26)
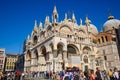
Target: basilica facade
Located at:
point(64, 44)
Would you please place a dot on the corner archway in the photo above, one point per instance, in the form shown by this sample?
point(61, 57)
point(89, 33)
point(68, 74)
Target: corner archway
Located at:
point(60, 50)
point(44, 53)
point(28, 60)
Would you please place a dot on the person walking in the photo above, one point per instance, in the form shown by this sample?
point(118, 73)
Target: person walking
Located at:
point(98, 74)
point(92, 75)
point(110, 74)
point(116, 74)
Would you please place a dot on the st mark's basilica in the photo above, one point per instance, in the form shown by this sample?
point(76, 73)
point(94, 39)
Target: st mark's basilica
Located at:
point(56, 45)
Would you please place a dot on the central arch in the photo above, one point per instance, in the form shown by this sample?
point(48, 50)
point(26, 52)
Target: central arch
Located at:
point(72, 49)
point(73, 56)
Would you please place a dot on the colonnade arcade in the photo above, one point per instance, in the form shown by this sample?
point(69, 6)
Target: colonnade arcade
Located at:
point(47, 58)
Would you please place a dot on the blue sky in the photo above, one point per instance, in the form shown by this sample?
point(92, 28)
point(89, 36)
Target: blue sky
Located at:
point(17, 16)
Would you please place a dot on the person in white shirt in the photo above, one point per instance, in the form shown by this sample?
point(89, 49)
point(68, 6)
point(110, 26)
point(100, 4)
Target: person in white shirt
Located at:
point(116, 74)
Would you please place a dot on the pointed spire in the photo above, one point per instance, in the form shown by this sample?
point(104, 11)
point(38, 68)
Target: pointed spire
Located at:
point(80, 21)
point(110, 15)
point(55, 9)
point(35, 26)
point(55, 15)
point(65, 16)
point(40, 25)
point(73, 17)
point(35, 23)
point(28, 37)
point(46, 19)
point(87, 21)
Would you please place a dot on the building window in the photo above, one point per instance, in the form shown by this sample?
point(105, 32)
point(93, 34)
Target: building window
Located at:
point(69, 36)
point(99, 40)
point(106, 38)
point(105, 57)
point(102, 39)
point(35, 39)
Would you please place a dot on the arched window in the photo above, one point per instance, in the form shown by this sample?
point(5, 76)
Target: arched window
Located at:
point(60, 50)
point(99, 40)
point(86, 50)
point(106, 38)
point(46, 56)
point(102, 39)
point(71, 49)
point(35, 39)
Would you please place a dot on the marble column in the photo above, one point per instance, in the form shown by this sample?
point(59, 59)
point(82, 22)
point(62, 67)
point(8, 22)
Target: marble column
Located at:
point(104, 39)
point(25, 66)
point(65, 59)
point(100, 40)
point(54, 62)
point(51, 61)
point(33, 63)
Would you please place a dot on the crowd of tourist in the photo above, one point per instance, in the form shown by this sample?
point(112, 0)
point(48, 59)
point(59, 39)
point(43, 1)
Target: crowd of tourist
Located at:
point(66, 75)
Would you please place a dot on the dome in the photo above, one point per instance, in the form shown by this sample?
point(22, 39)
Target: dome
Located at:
point(92, 28)
point(110, 23)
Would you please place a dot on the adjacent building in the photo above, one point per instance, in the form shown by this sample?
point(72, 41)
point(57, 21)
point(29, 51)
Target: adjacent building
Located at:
point(10, 62)
point(117, 31)
point(62, 44)
point(2, 59)
point(19, 65)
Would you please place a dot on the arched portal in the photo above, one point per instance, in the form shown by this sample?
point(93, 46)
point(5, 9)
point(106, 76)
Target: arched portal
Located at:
point(35, 60)
point(44, 59)
point(59, 57)
point(28, 61)
point(36, 54)
point(60, 51)
point(73, 56)
point(87, 61)
point(46, 56)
